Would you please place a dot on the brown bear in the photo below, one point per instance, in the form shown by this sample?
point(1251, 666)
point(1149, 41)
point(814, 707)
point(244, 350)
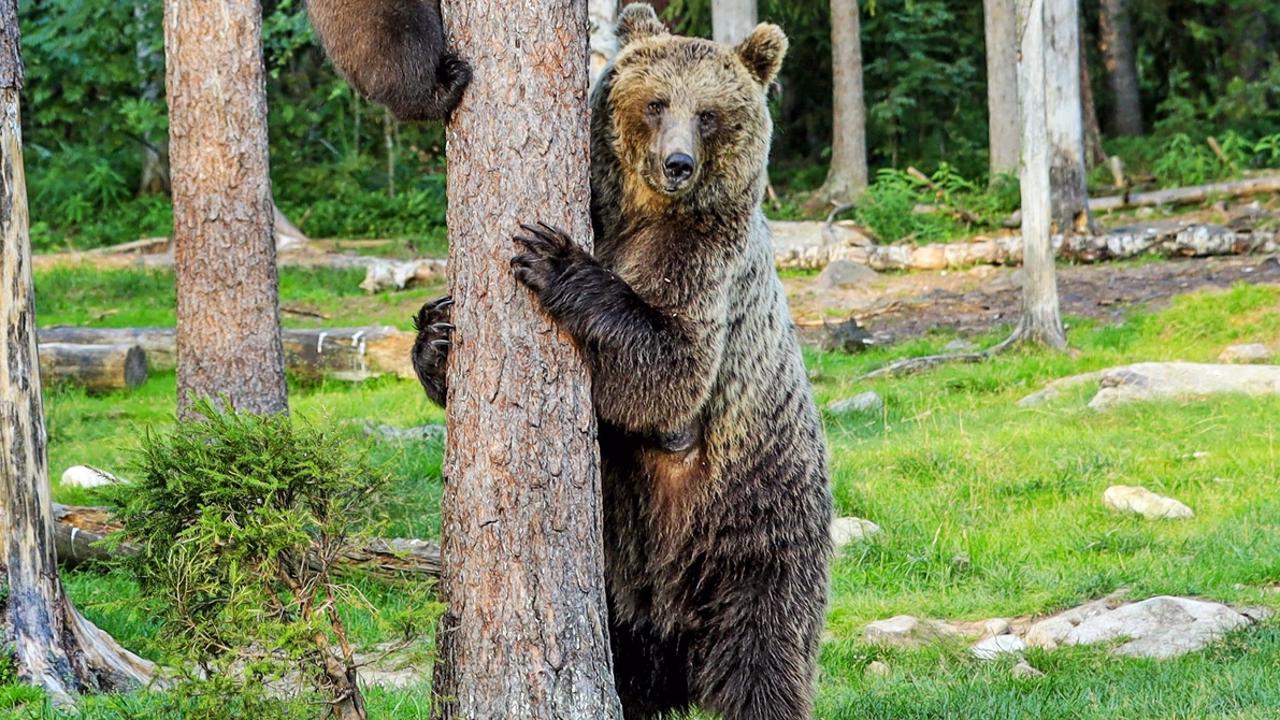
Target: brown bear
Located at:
point(716, 500)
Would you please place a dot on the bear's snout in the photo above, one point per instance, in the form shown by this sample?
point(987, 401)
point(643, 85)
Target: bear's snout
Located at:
point(679, 167)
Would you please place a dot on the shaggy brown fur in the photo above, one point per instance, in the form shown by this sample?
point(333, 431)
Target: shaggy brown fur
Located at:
point(393, 52)
point(717, 509)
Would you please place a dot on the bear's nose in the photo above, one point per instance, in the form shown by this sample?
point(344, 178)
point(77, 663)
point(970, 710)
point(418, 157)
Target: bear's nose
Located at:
point(679, 167)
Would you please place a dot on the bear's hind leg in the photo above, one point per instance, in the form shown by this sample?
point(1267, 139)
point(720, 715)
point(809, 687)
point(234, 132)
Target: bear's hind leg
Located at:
point(649, 672)
point(759, 670)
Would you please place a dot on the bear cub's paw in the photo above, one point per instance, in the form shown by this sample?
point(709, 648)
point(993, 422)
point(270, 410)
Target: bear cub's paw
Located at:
point(431, 348)
point(549, 257)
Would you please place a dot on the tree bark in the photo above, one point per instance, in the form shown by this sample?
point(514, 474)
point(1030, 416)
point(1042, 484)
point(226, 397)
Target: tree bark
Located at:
point(1095, 154)
point(848, 174)
point(1067, 176)
point(53, 647)
point(1116, 42)
point(95, 367)
point(602, 14)
point(1041, 319)
point(525, 634)
point(732, 20)
point(1004, 130)
point(224, 257)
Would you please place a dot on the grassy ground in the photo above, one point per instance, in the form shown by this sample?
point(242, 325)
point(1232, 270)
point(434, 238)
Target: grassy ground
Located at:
point(989, 510)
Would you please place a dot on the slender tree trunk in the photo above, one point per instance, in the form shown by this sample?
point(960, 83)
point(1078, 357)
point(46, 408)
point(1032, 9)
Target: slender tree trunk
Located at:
point(1116, 42)
point(602, 15)
point(1067, 177)
point(848, 174)
point(155, 153)
point(228, 309)
point(1041, 321)
point(525, 634)
point(732, 20)
point(1004, 129)
point(1094, 153)
point(53, 647)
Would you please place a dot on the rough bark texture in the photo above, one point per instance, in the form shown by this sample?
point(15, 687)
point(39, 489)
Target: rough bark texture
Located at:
point(1116, 42)
point(228, 309)
point(53, 647)
point(98, 368)
point(1061, 88)
point(732, 20)
point(525, 635)
point(848, 174)
point(1041, 320)
point(1004, 129)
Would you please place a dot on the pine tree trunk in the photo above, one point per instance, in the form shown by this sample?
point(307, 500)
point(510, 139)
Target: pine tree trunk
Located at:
point(848, 174)
point(53, 647)
point(732, 20)
point(525, 634)
point(1067, 177)
point(1041, 321)
point(1004, 129)
point(228, 309)
point(1116, 42)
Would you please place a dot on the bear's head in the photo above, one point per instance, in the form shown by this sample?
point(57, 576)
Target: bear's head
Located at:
point(687, 117)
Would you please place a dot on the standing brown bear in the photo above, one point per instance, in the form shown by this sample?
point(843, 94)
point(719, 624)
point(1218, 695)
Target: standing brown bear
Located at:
point(717, 509)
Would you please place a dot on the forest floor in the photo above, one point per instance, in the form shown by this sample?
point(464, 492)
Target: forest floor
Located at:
point(989, 509)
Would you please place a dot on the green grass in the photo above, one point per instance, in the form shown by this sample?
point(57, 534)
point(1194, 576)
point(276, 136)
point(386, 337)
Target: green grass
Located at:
point(989, 510)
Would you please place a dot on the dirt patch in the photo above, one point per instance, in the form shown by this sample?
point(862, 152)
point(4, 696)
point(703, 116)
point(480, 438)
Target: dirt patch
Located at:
point(899, 306)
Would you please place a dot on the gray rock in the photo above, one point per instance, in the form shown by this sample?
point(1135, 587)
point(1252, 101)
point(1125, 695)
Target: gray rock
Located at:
point(1051, 632)
point(993, 647)
point(844, 274)
point(1251, 353)
point(1153, 381)
point(849, 530)
point(905, 631)
point(1161, 627)
point(1137, 499)
point(860, 404)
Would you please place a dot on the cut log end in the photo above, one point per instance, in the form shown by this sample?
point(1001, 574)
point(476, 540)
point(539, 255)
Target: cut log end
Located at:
point(96, 367)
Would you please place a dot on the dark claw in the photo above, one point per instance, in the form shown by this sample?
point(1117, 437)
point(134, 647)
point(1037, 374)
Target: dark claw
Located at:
point(443, 344)
point(443, 302)
point(442, 326)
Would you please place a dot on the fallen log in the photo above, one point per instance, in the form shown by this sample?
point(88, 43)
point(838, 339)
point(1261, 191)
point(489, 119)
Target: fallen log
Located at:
point(351, 354)
point(78, 534)
point(97, 367)
point(1188, 195)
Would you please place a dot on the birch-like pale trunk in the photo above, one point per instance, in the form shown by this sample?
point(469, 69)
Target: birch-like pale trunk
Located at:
point(732, 20)
point(602, 14)
point(1004, 127)
point(1067, 174)
point(525, 635)
point(1041, 319)
point(848, 174)
point(53, 647)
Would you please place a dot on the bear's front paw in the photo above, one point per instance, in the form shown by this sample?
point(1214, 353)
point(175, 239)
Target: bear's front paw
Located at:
point(454, 71)
point(549, 254)
point(431, 348)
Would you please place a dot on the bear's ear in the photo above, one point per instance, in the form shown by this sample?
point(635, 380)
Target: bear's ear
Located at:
point(637, 22)
point(762, 52)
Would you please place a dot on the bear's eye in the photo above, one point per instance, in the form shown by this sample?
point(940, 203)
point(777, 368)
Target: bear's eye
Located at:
point(655, 107)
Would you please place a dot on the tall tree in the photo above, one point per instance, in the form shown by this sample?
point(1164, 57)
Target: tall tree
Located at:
point(602, 15)
point(732, 20)
point(525, 634)
point(1004, 130)
point(1094, 153)
point(1116, 41)
point(848, 174)
point(53, 647)
point(1041, 317)
point(1067, 173)
point(229, 341)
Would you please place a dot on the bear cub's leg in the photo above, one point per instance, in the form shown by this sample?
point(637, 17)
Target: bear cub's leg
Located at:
point(431, 348)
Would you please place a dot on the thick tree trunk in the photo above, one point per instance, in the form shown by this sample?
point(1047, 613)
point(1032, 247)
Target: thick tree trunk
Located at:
point(848, 174)
point(1004, 129)
point(732, 20)
point(53, 647)
point(525, 634)
point(1067, 176)
point(1041, 320)
point(98, 368)
point(602, 15)
point(1116, 42)
point(228, 309)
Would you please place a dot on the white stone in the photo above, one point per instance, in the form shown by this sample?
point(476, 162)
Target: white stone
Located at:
point(905, 631)
point(83, 476)
point(996, 626)
point(1250, 353)
point(993, 647)
point(1137, 499)
point(1180, 380)
point(849, 530)
point(1050, 632)
point(1160, 627)
point(845, 274)
point(862, 403)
